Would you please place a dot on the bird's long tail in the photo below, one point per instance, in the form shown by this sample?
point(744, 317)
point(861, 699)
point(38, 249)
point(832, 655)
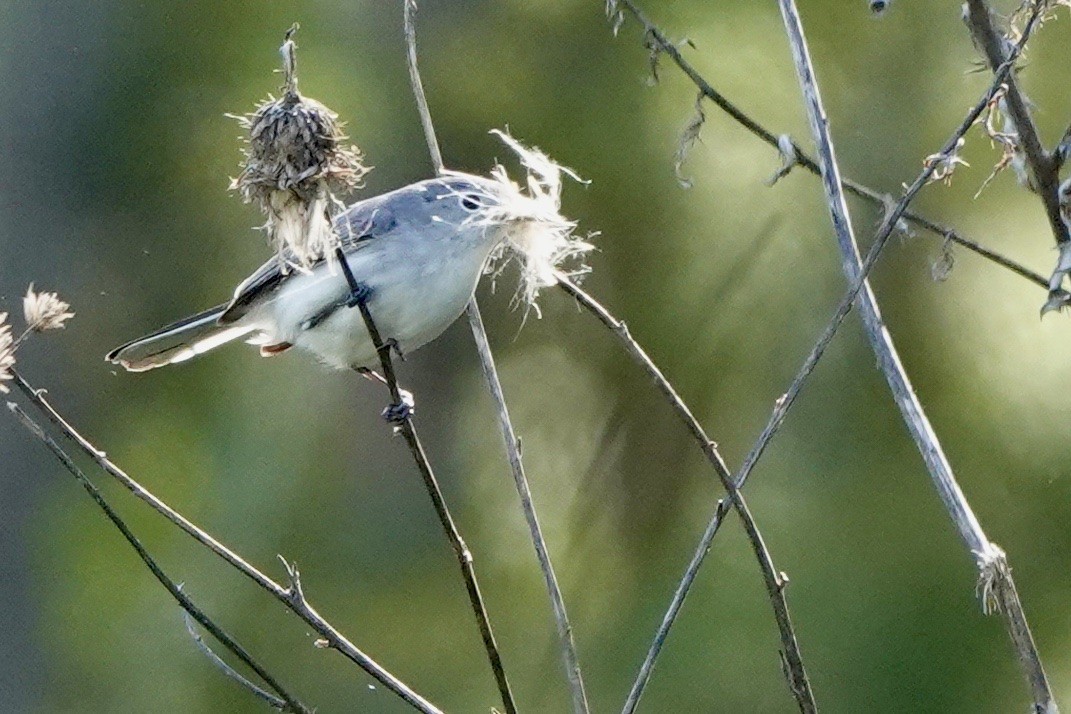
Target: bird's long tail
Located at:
point(178, 341)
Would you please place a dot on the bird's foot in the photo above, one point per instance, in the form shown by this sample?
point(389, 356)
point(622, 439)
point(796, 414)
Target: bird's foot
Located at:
point(392, 346)
point(359, 294)
point(401, 412)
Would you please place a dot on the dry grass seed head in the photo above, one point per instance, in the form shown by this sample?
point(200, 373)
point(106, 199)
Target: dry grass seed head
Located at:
point(44, 311)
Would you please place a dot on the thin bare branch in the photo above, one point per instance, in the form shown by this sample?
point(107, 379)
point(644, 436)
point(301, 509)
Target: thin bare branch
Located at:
point(403, 421)
point(291, 596)
point(1044, 168)
point(774, 580)
point(994, 572)
point(653, 33)
point(513, 452)
point(643, 677)
point(785, 403)
point(228, 670)
point(285, 700)
point(418, 86)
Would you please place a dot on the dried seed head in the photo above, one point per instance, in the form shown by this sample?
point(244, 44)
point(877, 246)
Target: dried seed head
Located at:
point(532, 228)
point(44, 311)
point(296, 160)
point(7, 352)
point(688, 139)
point(944, 165)
point(993, 573)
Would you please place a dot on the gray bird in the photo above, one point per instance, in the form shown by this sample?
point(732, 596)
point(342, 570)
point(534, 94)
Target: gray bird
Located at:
point(417, 254)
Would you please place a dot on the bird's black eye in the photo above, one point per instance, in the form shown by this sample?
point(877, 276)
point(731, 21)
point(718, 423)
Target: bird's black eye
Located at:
point(470, 202)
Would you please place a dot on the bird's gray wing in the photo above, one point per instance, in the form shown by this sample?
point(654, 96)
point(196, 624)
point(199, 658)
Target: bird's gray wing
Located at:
point(361, 224)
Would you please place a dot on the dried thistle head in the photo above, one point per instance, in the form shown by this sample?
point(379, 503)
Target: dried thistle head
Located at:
point(296, 160)
point(7, 352)
point(532, 229)
point(44, 311)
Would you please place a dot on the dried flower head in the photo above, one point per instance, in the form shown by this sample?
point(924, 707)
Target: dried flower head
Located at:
point(7, 352)
point(534, 232)
point(296, 160)
point(44, 311)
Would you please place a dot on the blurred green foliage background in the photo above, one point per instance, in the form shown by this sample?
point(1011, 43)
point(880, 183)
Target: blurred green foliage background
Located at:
point(117, 154)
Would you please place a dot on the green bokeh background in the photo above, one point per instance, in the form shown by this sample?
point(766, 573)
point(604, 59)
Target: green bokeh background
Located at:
point(116, 161)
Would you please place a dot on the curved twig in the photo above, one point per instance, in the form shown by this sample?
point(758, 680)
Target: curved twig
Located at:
point(293, 596)
point(653, 33)
point(774, 579)
point(284, 700)
point(509, 437)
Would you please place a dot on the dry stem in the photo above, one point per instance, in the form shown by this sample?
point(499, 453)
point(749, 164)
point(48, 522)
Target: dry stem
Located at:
point(513, 453)
point(464, 557)
point(1044, 167)
point(653, 33)
point(785, 403)
point(292, 596)
point(287, 700)
point(774, 580)
point(985, 552)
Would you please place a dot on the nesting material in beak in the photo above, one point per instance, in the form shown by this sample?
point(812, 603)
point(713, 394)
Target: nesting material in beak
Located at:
point(534, 232)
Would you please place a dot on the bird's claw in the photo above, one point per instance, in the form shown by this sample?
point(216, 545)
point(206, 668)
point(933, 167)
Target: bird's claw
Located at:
point(402, 411)
point(359, 293)
point(392, 346)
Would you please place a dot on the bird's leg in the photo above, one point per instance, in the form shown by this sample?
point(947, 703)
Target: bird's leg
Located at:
point(393, 413)
point(371, 375)
point(359, 292)
point(401, 411)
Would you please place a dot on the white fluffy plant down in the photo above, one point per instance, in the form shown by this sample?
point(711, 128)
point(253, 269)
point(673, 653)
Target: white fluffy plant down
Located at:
point(535, 234)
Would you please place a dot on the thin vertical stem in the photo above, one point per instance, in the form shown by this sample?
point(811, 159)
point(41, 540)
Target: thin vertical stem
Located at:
point(464, 557)
point(567, 644)
point(513, 452)
point(409, 13)
point(995, 575)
